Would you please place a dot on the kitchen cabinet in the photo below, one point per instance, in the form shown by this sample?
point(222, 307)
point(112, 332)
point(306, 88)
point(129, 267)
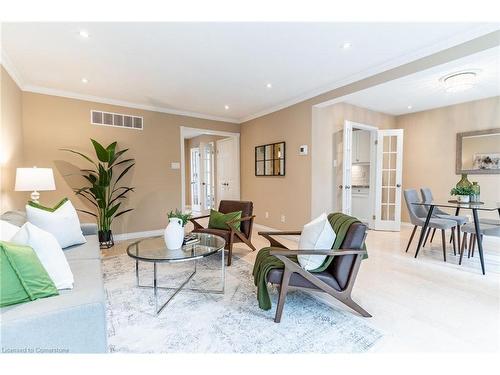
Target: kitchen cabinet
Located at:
point(361, 203)
point(360, 146)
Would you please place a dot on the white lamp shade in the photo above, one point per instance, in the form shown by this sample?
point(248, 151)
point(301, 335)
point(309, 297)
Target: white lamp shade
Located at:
point(34, 179)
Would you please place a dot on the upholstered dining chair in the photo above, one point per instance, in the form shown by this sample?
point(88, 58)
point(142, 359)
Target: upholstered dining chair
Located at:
point(418, 215)
point(337, 280)
point(489, 227)
point(232, 234)
point(437, 212)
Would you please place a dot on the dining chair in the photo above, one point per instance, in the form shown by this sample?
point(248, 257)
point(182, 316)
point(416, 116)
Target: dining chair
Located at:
point(418, 215)
point(492, 229)
point(437, 212)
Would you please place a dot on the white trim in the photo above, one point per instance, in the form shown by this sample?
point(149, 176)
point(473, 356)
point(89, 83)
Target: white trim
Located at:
point(391, 64)
point(9, 67)
point(121, 103)
point(133, 235)
point(187, 129)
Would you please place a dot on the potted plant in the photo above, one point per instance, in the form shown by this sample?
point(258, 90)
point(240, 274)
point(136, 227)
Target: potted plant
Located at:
point(103, 191)
point(174, 232)
point(462, 193)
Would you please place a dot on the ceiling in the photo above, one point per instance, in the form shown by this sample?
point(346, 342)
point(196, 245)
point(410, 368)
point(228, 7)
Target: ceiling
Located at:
point(200, 68)
point(424, 90)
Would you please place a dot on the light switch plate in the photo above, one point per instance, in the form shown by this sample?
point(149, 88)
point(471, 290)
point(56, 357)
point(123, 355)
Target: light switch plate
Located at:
point(303, 150)
point(175, 165)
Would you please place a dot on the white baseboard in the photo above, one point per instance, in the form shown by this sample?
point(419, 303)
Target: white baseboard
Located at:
point(133, 235)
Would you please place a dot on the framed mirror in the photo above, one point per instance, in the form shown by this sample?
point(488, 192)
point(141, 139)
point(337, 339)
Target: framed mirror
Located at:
point(478, 152)
point(270, 159)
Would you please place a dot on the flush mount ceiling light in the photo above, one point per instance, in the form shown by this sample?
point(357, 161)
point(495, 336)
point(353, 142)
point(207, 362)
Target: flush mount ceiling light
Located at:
point(84, 34)
point(409, 107)
point(460, 81)
point(269, 85)
point(346, 45)
point(226, 107)
point(85, 80)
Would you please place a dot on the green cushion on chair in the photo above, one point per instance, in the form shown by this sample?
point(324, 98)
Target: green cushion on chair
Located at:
point(22, 276)
point(218, 220)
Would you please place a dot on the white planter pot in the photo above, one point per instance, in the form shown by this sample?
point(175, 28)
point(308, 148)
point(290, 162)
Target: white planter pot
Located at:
point(463, 198)
point(174, 234)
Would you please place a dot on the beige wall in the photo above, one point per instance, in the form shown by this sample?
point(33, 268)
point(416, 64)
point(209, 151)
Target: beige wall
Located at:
point(52, 123)
point(288, 195)
point(188, 145)
point(11, 144)
point(429, 147)
point(327, 122)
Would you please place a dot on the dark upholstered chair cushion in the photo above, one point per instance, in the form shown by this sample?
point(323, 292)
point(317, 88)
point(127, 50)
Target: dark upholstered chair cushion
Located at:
point(218, 232)
point(246, 209)
point(338, 273)
point(341, 266)
point(276, 275)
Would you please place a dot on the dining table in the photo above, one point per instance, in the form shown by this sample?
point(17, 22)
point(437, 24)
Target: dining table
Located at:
point(473, 206)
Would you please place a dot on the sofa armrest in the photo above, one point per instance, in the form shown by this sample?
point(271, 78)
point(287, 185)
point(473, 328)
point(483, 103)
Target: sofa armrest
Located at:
point(89, 229)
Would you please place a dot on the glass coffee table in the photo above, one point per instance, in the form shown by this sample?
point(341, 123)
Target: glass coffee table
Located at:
point(154, 250)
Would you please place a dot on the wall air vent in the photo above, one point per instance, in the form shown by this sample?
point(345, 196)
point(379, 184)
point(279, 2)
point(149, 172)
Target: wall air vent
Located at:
point(116, 119)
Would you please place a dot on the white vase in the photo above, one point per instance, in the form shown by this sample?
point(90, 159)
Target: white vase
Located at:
point(174, 233)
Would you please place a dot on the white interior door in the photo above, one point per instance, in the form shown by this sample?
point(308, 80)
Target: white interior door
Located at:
point(228, 169)
point(195, 179)
point(389, 180)
point(207, 174)
point(346, 187)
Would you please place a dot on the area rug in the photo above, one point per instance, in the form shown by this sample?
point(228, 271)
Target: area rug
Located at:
point(229, 323)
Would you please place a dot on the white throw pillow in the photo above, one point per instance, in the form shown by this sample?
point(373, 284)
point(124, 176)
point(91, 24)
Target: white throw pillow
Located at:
point(62, 222)
point(48, 251)
point(318, 234)
point(7, 230)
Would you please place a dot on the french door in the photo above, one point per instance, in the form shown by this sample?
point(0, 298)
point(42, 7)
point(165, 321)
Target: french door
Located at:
point(389, 180)
point(195, 179)
point(208, 176)
point(344, 168)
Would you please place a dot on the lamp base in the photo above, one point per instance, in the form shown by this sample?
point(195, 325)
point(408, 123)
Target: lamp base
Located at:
point(35, 196)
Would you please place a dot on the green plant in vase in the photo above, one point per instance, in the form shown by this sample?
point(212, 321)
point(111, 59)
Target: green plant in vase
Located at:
point(179, 215)
point(103, 190)
point(462, 193)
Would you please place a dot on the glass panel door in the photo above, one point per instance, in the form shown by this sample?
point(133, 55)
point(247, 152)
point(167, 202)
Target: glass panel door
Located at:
point(208, 191)
point(195, 179)
point(389, 176)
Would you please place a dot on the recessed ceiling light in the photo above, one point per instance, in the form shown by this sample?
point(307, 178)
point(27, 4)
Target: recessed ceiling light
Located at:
point(269, 86)
point(226, 107)
point(346, 45)
point(84, 33)
point(409, 107)
point(459, 81)
point(85, 80)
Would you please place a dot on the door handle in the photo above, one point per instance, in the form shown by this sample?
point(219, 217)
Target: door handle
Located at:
point(340, 186)
point(398, 185)
point(347, 187)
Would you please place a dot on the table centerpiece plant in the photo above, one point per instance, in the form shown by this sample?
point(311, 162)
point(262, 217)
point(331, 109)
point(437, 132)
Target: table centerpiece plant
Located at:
point(462, 193)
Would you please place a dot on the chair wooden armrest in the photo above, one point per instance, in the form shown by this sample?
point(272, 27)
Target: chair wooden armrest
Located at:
point(195, 223)
point(274, 242)
point(331, 252)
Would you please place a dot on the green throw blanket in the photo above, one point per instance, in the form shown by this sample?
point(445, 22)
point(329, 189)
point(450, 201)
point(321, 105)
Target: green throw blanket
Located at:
point(266, 262)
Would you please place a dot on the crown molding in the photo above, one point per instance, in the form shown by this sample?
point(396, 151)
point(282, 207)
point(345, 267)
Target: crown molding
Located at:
point(458, 39)
point(122, 103)
point(6, 62)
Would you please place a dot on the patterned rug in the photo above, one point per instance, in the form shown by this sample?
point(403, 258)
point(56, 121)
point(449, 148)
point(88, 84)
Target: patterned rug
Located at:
point(229, 323)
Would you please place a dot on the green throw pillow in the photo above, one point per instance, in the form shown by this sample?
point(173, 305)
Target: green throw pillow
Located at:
point(22, 276)
point(218, 220)
point(49, 209)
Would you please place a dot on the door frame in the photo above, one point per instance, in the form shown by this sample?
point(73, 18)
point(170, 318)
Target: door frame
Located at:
point(187, 131)
point(349, 125)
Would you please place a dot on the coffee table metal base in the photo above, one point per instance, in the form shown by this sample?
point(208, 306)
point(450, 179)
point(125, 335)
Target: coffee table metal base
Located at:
point(177, 289)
